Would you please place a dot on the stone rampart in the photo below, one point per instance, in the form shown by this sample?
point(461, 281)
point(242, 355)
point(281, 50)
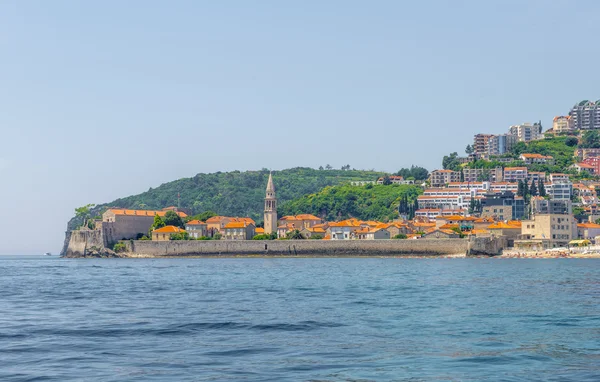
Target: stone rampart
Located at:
point(422, 247)
point(82, 241)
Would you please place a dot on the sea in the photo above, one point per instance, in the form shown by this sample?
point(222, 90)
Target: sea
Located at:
point(299, 319)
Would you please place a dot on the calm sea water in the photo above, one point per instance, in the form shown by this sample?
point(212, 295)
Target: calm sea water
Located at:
point(299, 320)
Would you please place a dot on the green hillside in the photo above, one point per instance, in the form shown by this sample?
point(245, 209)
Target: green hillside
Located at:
point(370, 202)
point(235, 193)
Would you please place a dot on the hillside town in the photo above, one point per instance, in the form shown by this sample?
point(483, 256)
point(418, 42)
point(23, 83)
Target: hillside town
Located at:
point(533, 209)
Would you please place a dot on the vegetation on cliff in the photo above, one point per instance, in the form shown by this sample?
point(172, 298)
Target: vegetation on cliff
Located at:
point(370, 202)
point(234, 193)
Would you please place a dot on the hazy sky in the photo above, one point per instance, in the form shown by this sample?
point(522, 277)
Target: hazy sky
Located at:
point(108, 98)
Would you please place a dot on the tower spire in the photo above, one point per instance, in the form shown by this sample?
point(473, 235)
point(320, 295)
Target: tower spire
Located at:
point(270, 207)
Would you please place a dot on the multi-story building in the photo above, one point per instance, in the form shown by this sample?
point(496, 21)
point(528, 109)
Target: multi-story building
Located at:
point(560, 190)
point(527, 132)
point(483, 175)
point(540, 205)
point(583, 153)
point(501, 144)
point(196, 228)
point(536, 176)
point(586, 115)
point(503, 187)
point(549, 230)
point(440, 178)
point(498, 205)
point(515, 174)
point(537, 159)
point(481, 144)
point(562, 124)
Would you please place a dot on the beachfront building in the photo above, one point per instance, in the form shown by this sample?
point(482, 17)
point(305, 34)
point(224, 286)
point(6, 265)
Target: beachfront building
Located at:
point(344, 230)
point(164, 233)
point(548, 230)
point(588, 231)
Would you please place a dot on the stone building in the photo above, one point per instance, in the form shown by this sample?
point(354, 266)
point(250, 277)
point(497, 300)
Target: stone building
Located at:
point(118, 224)
point(164, 233)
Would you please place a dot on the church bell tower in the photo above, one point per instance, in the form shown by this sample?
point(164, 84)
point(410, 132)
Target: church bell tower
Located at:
point(270, 207)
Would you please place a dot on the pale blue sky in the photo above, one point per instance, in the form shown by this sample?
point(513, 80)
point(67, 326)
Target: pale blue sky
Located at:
point(106, 99)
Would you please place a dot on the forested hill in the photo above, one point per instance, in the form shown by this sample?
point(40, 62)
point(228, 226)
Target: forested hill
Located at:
point(235, 193)
point(370, 202)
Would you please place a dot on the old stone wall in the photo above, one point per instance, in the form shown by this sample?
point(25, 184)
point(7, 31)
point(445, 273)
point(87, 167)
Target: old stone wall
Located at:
point(81, 241)
point(423, 247)
point(488, 246)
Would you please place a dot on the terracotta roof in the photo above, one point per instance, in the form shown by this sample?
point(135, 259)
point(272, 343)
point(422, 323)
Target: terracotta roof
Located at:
point(236, 225)
point(588, 225)
point(216, 219)
point(195, 222)
point(536, 156)
point(502, 225)
point(514, 168)
point(259, 230)
point(169, 229)
point(118, 211)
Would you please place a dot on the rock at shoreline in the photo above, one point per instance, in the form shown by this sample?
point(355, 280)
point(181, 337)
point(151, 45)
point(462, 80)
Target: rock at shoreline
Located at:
point(94, 253)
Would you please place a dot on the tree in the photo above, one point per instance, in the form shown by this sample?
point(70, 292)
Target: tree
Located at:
point(158, 223)
point(180, 236)
point(400, 236)
point(204, 216)
point(295, 235)
point(469, 150)
point(320, 168)
point(525, 189)
point(328, 167)
point(316, 237)
point(533, 190)
point(590, 140)
point(386, 180)
point(541, 188)
point(451, 162)
point(83, 213)
point(571, 141)
point(172, 218)
point(520, 189)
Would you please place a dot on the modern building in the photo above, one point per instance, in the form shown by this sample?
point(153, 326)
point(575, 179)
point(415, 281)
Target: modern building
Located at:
point(440, 178)
point(270, 217)
point(503, 206)
point(562, 124)
point(540, 205)
point(483, 174)
point(501, 144)
point(527, 132)
point(549, 230)
point(481, 144)
point(560, 190)
point(586, 115)
point(515, 174)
